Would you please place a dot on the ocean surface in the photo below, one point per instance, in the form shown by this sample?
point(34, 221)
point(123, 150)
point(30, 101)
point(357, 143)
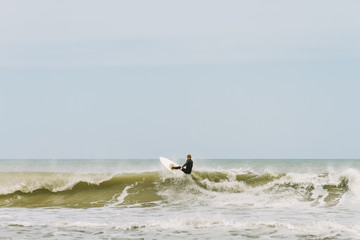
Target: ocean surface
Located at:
point(140, 199)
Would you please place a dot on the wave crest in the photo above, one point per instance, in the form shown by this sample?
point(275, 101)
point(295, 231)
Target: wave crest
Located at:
point(31, 189)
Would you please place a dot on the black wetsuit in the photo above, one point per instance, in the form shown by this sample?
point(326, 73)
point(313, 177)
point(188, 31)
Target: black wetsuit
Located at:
point(187, 167)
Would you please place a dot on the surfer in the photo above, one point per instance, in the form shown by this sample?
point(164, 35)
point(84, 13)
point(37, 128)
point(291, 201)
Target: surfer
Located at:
point(187, 167)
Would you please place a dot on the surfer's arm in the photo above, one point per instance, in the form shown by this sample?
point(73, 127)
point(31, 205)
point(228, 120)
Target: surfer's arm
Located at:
point(185, 165)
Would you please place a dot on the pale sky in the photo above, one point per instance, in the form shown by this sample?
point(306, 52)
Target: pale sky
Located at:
point(142, 79)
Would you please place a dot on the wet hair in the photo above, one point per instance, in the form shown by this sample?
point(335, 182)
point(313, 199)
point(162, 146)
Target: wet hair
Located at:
point(189, 155)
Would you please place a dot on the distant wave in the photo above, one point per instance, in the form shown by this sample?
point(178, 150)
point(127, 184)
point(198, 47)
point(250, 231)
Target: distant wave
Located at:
point(42, 189)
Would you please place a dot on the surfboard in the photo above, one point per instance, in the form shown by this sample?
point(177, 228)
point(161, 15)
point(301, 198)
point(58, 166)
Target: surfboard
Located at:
point(168, 164)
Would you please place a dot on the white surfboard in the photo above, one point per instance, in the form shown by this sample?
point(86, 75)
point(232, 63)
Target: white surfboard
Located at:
point(169, 164)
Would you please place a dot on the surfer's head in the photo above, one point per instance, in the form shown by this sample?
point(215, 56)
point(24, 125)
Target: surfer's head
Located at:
point(189, 156)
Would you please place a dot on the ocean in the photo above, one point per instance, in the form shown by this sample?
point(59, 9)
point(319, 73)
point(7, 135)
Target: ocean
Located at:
point(139, 199)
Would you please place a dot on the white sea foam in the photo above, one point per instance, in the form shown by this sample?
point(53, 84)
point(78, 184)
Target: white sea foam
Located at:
point(218, 226)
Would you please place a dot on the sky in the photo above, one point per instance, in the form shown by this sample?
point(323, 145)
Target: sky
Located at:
point(143, 79)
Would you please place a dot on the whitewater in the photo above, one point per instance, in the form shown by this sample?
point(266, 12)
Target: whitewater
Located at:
point(139, 199)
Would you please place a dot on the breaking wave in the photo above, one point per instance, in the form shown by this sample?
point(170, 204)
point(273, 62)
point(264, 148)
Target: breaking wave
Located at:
point(46, 189)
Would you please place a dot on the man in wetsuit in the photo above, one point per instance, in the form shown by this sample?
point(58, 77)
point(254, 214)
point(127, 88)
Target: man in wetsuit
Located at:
point(187, 167)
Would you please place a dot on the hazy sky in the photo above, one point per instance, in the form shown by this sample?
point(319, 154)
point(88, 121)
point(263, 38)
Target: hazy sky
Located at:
point(142, 79)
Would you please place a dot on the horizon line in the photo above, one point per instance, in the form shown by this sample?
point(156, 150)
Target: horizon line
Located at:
point(195, 158)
